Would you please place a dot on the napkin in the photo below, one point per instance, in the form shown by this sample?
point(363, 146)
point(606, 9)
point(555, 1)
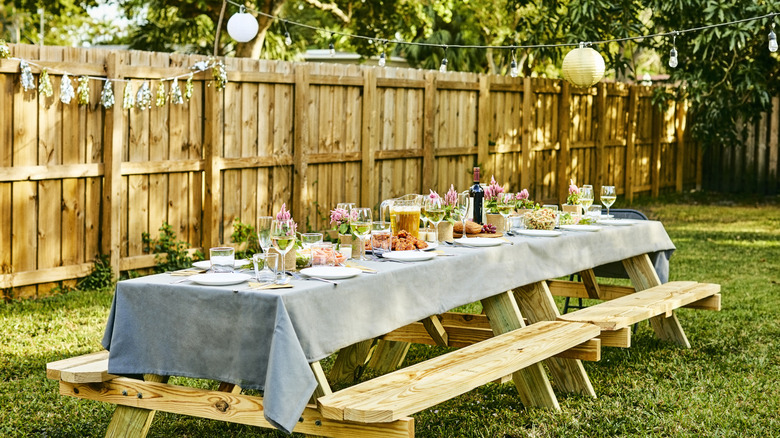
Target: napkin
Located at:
point(187, 272)
point(362, 268)
point(264, 286)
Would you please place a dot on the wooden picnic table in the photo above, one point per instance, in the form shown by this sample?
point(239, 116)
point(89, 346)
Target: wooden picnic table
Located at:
point(273, 340)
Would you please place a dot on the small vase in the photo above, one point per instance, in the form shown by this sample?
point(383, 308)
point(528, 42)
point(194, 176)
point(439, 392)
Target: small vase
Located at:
point(351, 241)
point(497, 221)
point(574, 210)
point(333, 235)
point(289, 259)
point(445, 230)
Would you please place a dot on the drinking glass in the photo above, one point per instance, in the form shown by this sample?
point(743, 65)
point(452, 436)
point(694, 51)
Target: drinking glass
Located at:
point(463, 209)
point(346, 206)
point(608, 196)
point(265, 266)
point(264, 232)
point(222, 259)
point(586, 197)
point(283, 239)
point(506, 203)
point(434, 211)
point(322, 254)
point(360, 223)
point(309, 239)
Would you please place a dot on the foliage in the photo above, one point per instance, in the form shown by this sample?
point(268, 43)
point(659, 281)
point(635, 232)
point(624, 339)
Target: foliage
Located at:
point(67, 22)
point(651, 389)
point(171, 254)
point(245, 233)
point(101, 277)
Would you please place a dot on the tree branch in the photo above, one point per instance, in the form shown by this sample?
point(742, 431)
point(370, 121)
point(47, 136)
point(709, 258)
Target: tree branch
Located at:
point(330, 7)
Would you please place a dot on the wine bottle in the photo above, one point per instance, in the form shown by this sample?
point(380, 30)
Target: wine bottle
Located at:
point(477, 195)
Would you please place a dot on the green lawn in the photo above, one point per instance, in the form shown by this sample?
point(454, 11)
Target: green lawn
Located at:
point(726, 385)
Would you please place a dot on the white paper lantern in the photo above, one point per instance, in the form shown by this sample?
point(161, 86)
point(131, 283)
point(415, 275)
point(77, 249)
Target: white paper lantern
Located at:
point(242, 27)
point(583, 66)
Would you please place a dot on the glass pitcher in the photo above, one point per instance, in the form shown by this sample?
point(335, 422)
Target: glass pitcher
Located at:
point(404, 213)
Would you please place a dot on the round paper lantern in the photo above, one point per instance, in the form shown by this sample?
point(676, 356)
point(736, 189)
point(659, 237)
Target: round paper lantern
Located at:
point(583, 66)
point(242, 27)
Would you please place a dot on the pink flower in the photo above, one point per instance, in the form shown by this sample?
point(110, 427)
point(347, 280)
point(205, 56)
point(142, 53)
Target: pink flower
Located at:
point(522, 196)
point(434, 195)
point(451, 197)
point(493, 190)
point(573, 189)
point(284, 214)
point(339, 216)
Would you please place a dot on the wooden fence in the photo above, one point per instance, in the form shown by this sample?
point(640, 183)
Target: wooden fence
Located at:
point(751, 165)
point(77, 181)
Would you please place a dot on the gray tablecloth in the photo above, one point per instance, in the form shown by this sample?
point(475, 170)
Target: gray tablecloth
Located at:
point(266, 339)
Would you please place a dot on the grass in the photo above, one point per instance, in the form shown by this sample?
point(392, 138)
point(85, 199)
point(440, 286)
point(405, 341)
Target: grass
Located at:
point(726, 385)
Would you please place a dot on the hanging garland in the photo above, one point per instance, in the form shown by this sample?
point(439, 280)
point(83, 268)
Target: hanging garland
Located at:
point(5, 52)
point(28, 82)
point(66, 90)
point(160, 94)
point(176, 97)
point(83, 90)
point(107, 95)
point(127, 97)
point(143, 100)
point(44, 86)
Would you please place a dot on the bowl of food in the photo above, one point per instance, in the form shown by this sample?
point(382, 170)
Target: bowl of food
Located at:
point(542, 219)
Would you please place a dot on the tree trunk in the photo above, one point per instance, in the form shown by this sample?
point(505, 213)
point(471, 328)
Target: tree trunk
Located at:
point(253, 49)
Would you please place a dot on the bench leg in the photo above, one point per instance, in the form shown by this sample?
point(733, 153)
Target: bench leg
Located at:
point(388, 355)
point(131, 422)
point(537, 304)
point(643, 276)
point(531, 382)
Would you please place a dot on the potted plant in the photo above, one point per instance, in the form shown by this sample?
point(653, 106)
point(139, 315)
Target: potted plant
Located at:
point(289, 256)
point(445, 227)
point(572, 205)
point(339, 219)
point(492, 194)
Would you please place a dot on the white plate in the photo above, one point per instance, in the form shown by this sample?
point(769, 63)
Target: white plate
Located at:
point(431, 246)
point(619, 222)
point(580, 227)
point(206, 264)
point(479, 241)
point(409, 256)
point(220, 279)
point(330, 272)
point(540, 233)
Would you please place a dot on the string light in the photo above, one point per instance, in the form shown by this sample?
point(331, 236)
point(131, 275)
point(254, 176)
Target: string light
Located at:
point(287, 37)
point(382, 59)
point(513, 65)
point(443, 66)
point(242, 26)
point(331, 46)
point(673, 52)
point(772, 39)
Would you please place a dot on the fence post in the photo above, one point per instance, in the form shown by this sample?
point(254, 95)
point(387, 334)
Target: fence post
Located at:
point(368, 184)
point(429, 161)
point(655, 155)
point(112, 168)
point(682, 108)
point(483, 124)
point(633, 103)
point(525, 141)
point(773, 140)
point(601, 134)
point(212, 166)
point(300, 159)
point(564, 155)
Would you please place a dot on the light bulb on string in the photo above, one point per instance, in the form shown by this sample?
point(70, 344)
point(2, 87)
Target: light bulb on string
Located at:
point(287, 37)
point(242, 26)
point(513, 65)
point(673, 53)
point(382, 58)
point(443, 66)
point(772, 39)
point(331, 47)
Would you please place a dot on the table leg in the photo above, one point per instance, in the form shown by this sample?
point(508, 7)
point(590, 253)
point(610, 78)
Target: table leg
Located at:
point(350, 362)
point(531, 382)
point(642, 274)
point(537, 304)
point(129, 421)
point(388, 355)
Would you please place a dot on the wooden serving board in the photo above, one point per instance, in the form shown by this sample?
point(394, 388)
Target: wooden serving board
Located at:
point(456, 234)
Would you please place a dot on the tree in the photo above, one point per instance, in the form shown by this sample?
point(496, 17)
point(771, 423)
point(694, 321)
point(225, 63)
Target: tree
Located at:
point(65, 22)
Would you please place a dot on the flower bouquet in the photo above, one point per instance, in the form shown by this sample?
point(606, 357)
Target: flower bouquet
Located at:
point(572, 205)
point(339, 219)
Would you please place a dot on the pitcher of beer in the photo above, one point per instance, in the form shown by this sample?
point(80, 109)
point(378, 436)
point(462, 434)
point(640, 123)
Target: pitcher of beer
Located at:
point(404, 213)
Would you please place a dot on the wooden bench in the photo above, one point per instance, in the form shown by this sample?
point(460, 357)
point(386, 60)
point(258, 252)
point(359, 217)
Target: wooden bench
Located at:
point(401, 393)
point(621, 313)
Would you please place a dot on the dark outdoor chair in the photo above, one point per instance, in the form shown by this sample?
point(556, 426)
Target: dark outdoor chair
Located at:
point(618, 213)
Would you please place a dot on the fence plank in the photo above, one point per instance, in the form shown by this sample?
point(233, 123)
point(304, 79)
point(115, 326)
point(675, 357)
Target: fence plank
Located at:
point(7, 100)
point(774, 132)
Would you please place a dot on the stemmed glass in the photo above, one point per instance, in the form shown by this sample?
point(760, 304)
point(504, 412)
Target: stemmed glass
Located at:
point(283, 239)
point(423, 216)
point(608, 196)
point(434, 211)
point(360, 222)
point(463, 209)
point(506, 203)
point(264, 232)
point(586, 197)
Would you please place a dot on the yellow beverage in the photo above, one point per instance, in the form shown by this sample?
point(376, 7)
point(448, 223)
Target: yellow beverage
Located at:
point(405, 218)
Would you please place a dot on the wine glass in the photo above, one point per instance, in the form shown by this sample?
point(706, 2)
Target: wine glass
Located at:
point(283, 239)
point(424, 218)
point(586, 197)
point(264, 232)
point(360, 223)
point(434, 211)
point(608, 196)
point(346, 206)
point(506, 203)
point(463, 209)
